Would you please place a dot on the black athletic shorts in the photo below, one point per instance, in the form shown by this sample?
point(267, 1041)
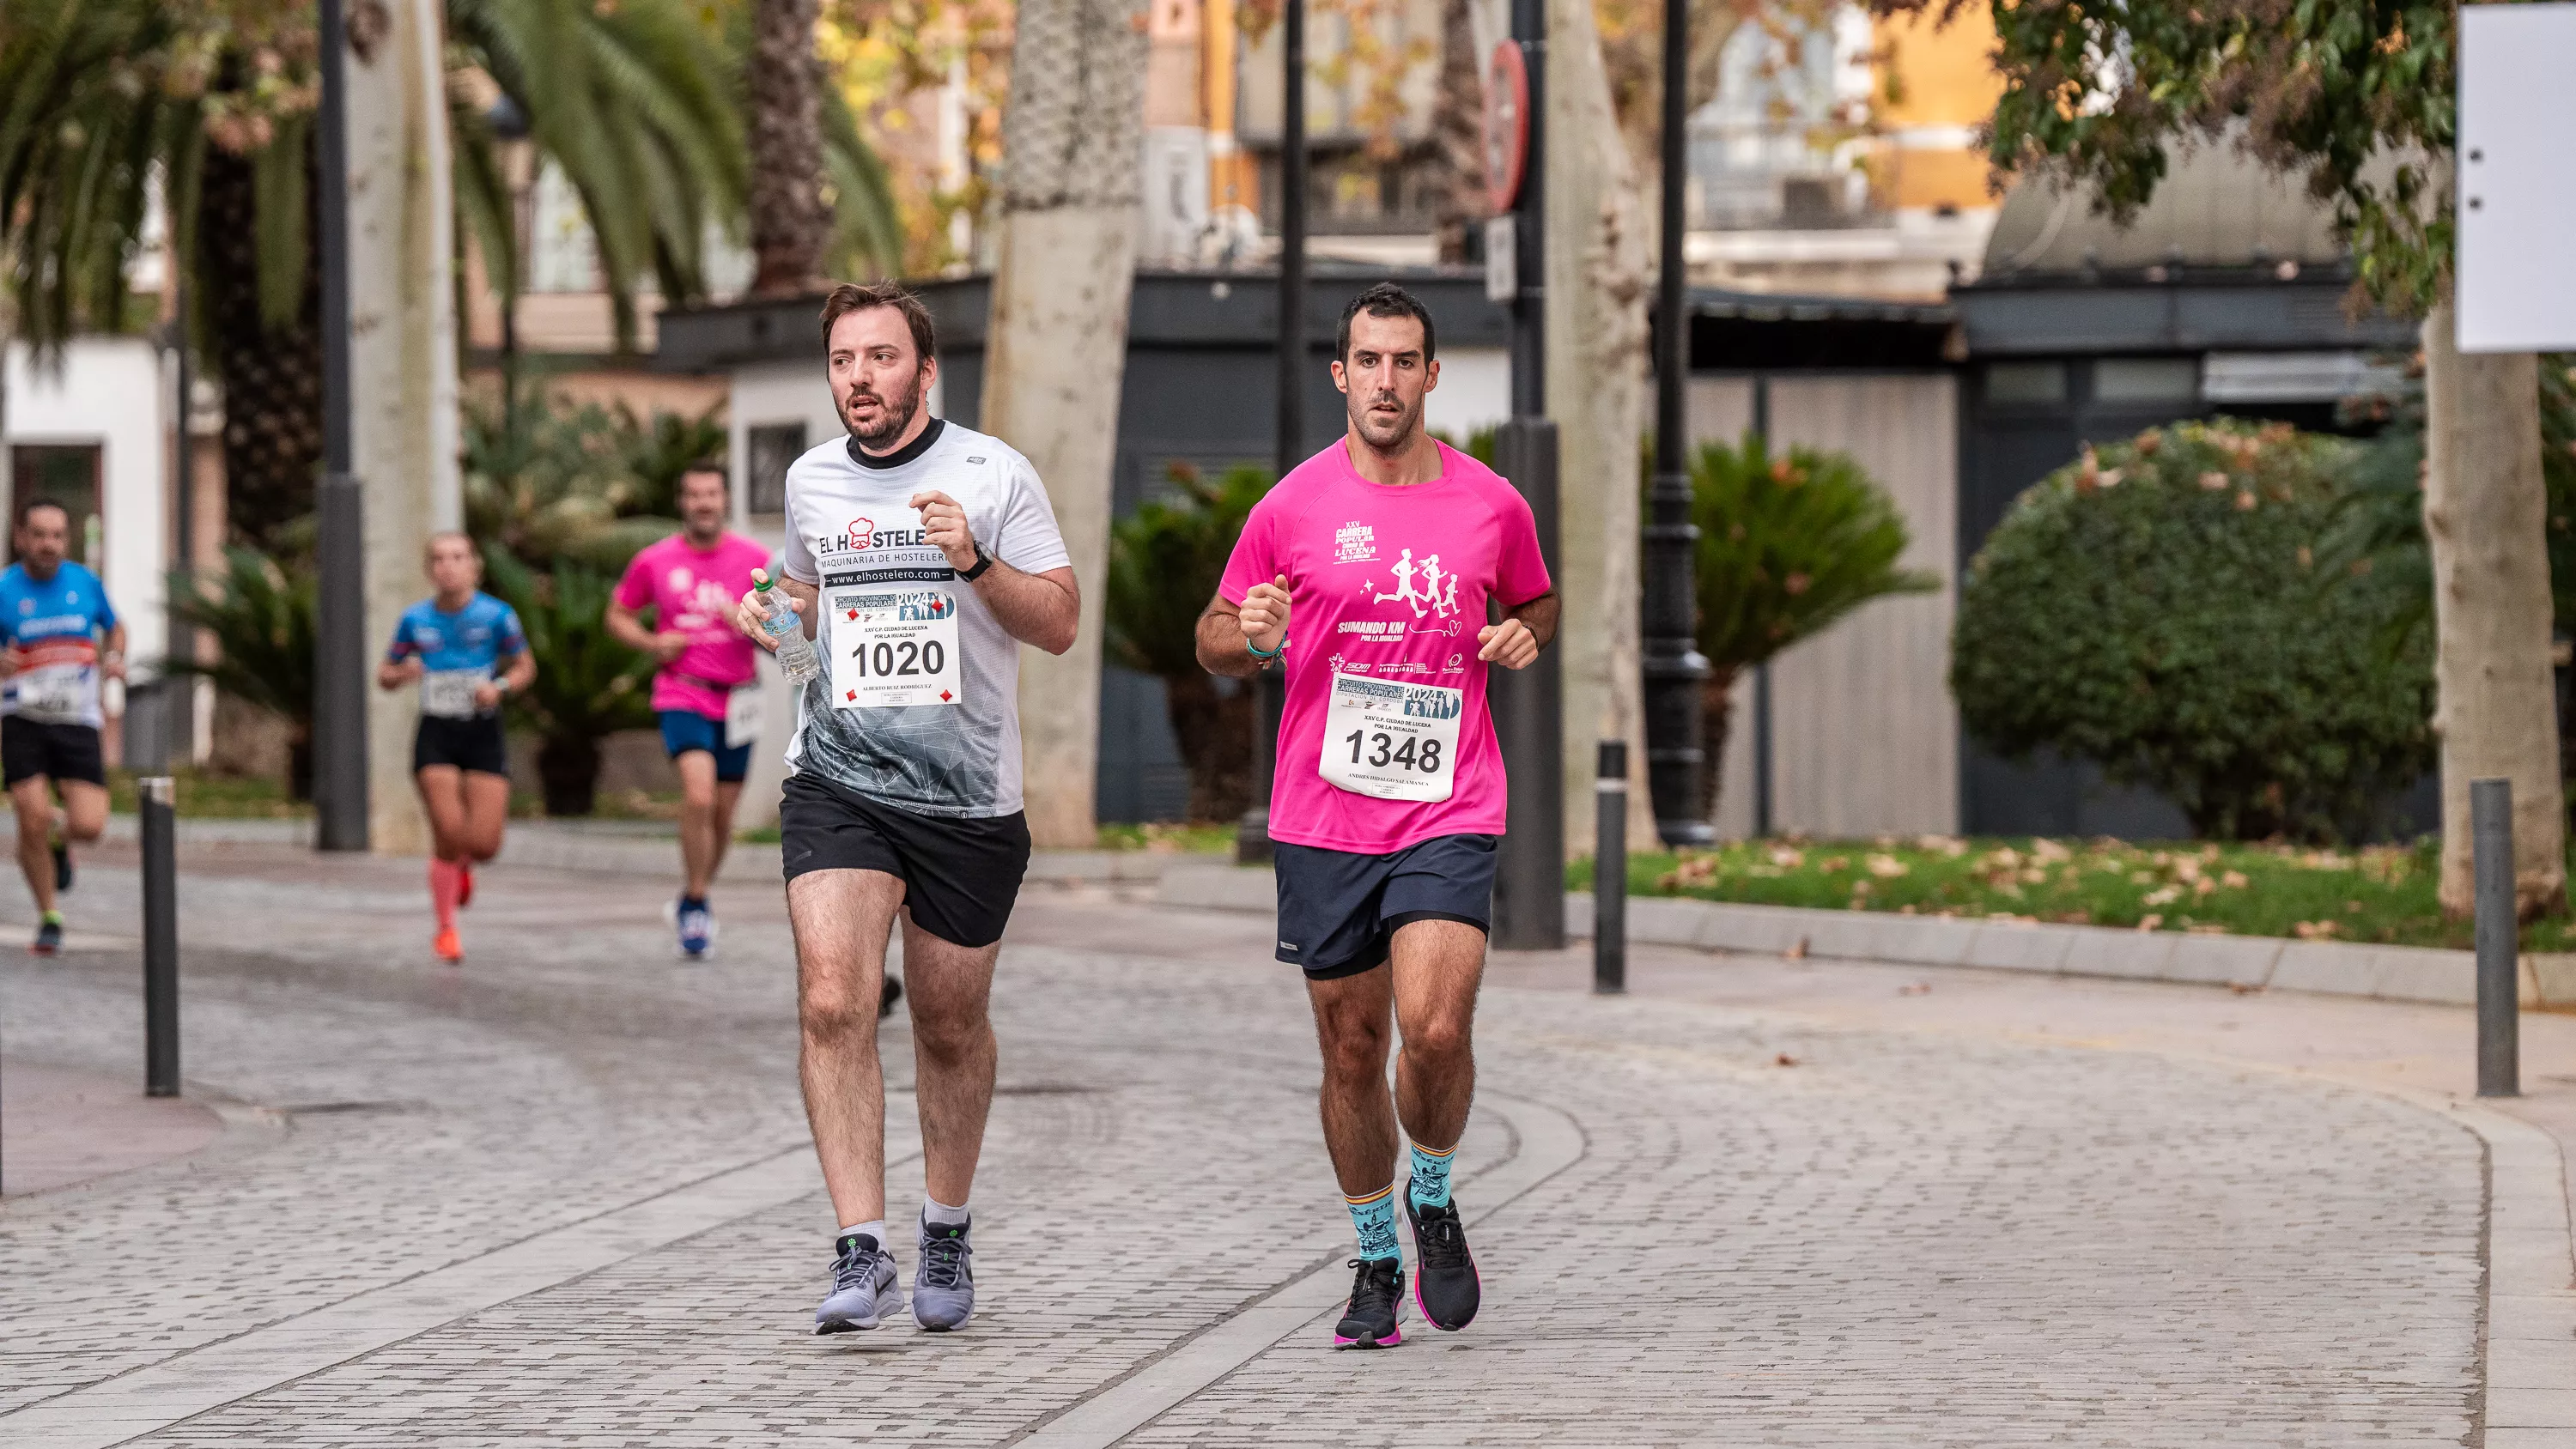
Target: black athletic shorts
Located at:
point(961, 875)
point(57, 751)
point(475, 744)
point(1339, 910)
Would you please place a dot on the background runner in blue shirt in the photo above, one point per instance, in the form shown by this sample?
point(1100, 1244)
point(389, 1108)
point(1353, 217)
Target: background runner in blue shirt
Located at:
point(53, 616)
point(466, 651)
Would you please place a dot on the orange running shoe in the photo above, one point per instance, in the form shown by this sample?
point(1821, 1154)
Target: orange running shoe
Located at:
point(450, 949)
point(464, 885)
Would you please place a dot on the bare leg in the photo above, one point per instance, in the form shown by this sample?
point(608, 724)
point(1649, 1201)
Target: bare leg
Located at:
point(841, 919)
point(84, 811)
point(442, 794)
point(33, 799)
point(1353, 1027)
point(699, 851)
point(954, 1054)
point(1437, 968)
point(487, 809)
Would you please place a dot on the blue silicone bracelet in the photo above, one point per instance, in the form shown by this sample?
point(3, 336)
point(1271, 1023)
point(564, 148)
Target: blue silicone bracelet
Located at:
point(1257, 652)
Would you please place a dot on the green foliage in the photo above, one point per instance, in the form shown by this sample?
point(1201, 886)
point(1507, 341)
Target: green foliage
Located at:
point(1165, 560)
point(588, 685)
point(547, 480)
point(2160, 608)
point(1787, 546)
point(2357, 97)
point(261, 620)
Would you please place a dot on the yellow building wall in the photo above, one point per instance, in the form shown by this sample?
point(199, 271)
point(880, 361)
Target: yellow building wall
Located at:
point(1933, 80)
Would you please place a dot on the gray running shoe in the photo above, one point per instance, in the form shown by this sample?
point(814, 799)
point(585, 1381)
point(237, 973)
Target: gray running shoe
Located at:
point(943, 1287)
point(863, 1288)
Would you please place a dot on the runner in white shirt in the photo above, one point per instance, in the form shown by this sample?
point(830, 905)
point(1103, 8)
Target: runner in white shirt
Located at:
point(929, 554)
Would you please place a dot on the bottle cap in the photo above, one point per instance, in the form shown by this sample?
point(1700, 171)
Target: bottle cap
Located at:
point(760, 580)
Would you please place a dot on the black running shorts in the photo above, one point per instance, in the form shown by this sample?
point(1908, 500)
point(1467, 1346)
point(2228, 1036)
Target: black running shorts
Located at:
point(475, 744)
point(29, 748)
point(1339, 910)
point(961, 875)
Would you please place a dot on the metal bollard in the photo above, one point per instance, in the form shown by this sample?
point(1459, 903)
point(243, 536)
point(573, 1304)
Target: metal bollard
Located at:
point(160, 937)
point(2499, 940)
point(1610, 871)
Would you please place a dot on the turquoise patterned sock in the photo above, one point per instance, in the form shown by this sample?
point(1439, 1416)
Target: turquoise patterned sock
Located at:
point(1374, 1216)
point(1431, 1176)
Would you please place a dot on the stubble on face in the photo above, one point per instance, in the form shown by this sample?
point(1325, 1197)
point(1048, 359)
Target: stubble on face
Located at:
point(894, 412)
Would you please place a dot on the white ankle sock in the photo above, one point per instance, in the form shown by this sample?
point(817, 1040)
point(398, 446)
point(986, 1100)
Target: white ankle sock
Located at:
point(940, 1214)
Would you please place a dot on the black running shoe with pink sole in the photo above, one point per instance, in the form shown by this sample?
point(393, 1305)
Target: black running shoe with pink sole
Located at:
point(1377, 1301)
point(1445, 1285)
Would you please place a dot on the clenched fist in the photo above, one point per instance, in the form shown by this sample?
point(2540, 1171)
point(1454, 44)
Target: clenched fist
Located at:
point(1264, 615)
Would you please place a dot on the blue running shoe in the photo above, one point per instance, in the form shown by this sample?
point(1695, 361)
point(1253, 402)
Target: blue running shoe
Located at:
point(943, 1288)
point(863, 1290)
point(696, 923)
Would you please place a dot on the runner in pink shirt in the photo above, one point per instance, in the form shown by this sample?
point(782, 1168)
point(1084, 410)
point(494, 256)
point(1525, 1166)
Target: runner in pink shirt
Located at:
point(707, 691)
point(1368, 571)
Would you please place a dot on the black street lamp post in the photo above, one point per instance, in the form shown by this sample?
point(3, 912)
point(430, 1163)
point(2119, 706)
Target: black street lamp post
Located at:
point(1674, 668)
point(340, 624)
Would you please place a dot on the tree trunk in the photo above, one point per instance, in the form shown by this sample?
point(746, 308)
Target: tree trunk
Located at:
point(402, 362)
point(1215, 731)
point(1598, 277)
point(1456, 175)
point(1056, 349)
point(2484, 520)
point(568, 774)
point(790, 219)
point(1716, 723)
point(272, 374)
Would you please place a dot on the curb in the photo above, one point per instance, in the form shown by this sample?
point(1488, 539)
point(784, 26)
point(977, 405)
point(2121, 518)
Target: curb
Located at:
point(2245, 963)
point(648, 847)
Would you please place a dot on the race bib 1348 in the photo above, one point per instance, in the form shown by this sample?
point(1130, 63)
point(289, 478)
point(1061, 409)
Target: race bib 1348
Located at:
point(1392, 741)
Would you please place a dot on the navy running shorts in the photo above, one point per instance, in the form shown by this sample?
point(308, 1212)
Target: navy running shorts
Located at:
point(1339, 909)
point(684, 730)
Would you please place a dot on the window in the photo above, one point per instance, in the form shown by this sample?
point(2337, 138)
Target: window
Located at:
point(2025, 384)
point(2146, 380)
point(772, 447)
point(67, 474)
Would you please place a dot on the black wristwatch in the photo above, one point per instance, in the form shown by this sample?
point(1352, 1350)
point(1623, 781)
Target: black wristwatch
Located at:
point(983, 561)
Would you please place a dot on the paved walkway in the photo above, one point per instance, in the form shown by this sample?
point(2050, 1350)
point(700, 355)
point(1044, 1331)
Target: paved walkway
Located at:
point(562, 1196)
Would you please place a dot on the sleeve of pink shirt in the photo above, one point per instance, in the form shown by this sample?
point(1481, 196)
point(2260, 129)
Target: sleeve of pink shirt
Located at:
point(1255, 559)
point(1520, 572)
point(635, 590)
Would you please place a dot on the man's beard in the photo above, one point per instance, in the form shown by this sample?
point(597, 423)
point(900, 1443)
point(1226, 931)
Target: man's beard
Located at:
point(1383, 435)
point(894, 414)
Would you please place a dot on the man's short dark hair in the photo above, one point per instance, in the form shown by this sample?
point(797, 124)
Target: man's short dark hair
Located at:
point(851, 297)
point(30, 505)
point(716, 466)
point(1386, 299)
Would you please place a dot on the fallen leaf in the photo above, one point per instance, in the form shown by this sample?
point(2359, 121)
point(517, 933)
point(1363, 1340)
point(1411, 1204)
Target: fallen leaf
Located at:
point(2234, 880)
point(2150, 921)
point(1834, 863)
point(2164, 897)
point(1919, 988)
point(1797, 952)
point(2245, 988)
point(1784, 1060)
point(1886, 867)
point(2213, 481)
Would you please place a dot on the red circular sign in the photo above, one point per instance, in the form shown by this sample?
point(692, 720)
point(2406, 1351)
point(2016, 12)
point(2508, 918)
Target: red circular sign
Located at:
point(1506, 125)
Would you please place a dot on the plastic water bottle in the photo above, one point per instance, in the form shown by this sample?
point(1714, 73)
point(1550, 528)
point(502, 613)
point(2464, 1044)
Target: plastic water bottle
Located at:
point(796, 656)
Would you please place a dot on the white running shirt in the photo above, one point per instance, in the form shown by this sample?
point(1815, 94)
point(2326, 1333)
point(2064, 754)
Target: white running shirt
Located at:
point(890, 605)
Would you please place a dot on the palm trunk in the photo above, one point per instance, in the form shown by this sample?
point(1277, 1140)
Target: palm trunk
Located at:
point(1597, 287)
point(1056, 352)
point(790, 220)
point(271, 373)
point(1457, 170)
point(2484, 518)
point(402, 362)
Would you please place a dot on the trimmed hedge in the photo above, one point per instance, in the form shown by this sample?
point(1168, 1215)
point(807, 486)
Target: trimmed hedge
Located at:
point(2168, 608)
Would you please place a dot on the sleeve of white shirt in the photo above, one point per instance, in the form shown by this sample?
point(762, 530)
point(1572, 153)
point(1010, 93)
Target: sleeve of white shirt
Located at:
point(797, 558)
point(1027, 538)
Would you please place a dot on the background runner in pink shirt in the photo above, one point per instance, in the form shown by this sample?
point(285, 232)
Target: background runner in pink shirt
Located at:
point(690, 581)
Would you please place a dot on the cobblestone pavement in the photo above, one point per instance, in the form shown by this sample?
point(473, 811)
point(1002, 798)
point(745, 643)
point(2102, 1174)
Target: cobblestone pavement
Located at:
point(560, 1196)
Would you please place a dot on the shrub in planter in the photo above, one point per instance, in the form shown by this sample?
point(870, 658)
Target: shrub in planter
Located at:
point(2170, 609)
point(588, 685)
point(260, 619)
point(1164, 563)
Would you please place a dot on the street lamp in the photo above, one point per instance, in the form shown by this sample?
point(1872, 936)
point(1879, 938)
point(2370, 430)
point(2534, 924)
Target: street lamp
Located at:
point(1674, 668)
point(340, 622)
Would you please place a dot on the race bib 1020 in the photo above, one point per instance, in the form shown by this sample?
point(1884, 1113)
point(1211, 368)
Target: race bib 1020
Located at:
point(894, 647)
point(1392, 741)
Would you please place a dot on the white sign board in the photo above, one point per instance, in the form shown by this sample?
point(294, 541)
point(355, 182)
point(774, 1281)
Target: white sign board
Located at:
point(2517, 179)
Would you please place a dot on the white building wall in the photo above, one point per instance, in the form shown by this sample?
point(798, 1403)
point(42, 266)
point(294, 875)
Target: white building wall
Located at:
point(1475, 391)
point(110, 392)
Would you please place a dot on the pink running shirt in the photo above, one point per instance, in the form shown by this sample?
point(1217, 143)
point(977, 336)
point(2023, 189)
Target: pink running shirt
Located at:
point(1386, 592)
point(693, 590)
